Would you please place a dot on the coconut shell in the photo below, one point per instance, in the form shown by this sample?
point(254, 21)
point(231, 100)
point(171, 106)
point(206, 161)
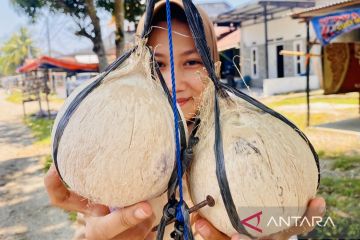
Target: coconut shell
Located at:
point(270, 167)
point(118, 146)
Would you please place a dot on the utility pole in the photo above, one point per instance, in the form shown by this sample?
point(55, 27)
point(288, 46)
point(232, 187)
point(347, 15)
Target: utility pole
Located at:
point(307, 73)
point(48, 36)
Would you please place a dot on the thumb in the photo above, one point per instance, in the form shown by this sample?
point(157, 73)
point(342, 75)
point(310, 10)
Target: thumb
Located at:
point(209, 232)
point(240, 237)
point(116, 222)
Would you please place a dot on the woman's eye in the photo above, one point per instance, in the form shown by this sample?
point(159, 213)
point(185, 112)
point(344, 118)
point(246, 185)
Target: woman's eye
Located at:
point(193, 63)
point(161, 64)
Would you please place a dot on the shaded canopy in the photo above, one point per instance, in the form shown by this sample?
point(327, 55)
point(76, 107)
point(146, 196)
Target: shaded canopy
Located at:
point(67, 65)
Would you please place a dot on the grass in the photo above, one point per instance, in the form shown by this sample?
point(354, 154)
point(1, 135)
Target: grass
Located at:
point(47, 160)
point(299, 119)
point(348, 99)
point(41, 128)
point(316, 117)
point(345, 163)
point(72, 216)
point(338, 156)
point(16, 97)
point(342, 199)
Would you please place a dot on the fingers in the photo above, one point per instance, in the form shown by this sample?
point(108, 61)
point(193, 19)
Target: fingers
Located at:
point(316, 208)
point(111, 225)
point(151, 236)
point(62, 197)
point(209, 232)
point(138, 232)
point(240, 237)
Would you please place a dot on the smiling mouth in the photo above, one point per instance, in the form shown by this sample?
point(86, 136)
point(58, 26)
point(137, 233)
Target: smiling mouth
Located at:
point(182, 101)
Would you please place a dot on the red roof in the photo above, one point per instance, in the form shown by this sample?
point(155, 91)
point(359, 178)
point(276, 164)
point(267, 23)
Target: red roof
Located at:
point(232, 40)
point(69, 65)
point(220, 31)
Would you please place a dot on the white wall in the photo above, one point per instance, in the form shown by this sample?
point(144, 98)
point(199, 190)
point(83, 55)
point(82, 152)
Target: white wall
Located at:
point(281, 31)
point(272, 61)
point(288, 84)
point(285, 28)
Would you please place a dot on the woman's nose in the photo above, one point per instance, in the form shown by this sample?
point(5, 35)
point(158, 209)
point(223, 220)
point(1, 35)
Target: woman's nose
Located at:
point(179, 80)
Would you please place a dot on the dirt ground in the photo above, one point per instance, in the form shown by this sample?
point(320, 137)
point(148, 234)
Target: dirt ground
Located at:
point(25, 211)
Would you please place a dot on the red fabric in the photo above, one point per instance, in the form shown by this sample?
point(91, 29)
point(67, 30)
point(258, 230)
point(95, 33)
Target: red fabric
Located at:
point(66, 64)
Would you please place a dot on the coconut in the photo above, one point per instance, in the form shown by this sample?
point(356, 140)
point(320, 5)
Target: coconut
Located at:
point(118, 146)
point(271, 170)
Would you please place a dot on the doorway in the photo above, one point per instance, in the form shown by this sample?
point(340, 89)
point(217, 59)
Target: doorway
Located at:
point(280, 61)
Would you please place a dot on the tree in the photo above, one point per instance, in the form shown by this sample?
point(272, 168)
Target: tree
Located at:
point(84, 13)
point(122, 9)
point(14, 52)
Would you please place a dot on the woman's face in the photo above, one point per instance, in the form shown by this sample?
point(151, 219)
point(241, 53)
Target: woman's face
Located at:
point(187, 63)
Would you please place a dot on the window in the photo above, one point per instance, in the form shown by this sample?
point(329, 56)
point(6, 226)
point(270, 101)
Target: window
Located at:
point(298, 60)
point(254, 63)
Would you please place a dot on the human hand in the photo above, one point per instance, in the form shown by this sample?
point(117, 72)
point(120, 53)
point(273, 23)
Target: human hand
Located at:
point(133, 222)
point(60, 196)
point(316, 208)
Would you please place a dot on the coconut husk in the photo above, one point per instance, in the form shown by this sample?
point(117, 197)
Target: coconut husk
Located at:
point(118, 146)
point(269, 166)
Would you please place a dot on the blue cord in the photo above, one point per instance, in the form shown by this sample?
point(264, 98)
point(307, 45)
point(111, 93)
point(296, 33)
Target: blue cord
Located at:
point(179, 215)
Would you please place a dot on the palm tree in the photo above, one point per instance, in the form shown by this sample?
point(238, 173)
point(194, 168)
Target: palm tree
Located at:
point(14, 52)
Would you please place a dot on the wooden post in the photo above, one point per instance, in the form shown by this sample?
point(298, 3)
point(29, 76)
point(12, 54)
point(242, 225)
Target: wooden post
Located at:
point(47, 90)
point(307, 73)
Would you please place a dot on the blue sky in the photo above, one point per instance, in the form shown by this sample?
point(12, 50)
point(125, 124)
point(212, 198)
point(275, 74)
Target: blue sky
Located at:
point(61, 28)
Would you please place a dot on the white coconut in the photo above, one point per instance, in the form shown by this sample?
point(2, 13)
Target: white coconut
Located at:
point(269, 167)
point(118, 146)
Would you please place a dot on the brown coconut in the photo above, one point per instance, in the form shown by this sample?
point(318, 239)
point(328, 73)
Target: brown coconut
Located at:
point(118, 147)
point(270, 168)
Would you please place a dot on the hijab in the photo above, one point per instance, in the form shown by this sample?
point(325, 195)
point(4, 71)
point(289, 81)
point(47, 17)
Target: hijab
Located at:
point(160, 8)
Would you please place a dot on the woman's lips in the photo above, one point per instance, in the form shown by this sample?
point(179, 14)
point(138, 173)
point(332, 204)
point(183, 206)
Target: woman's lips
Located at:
point(182, 101)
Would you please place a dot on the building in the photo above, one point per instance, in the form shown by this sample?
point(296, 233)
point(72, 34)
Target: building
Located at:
point(214, 8)
point(337, 26)
point(263, 38)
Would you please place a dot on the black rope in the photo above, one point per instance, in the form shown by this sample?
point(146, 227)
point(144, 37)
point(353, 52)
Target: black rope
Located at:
point(148, 18)
point(221, 175)
point(277, 115)
point(198, 33)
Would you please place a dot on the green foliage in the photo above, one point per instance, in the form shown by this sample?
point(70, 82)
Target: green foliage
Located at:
point(342, 198)
point(15, 97)
point(31, 8)
point(84, 14)
point(41, 128)
point(14, 52)
point(352, 99)
point(299, 119)
point(321, 154)
point(72, 216)
point(47, 162)
point(133, 8)
point(77, 8)
point(345, 163)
